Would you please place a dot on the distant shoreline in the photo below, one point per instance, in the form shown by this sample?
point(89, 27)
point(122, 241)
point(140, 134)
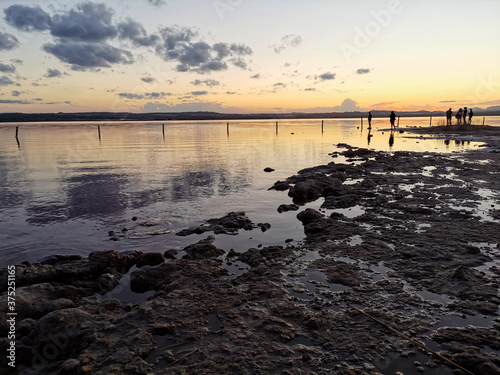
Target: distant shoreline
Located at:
point(179, 116)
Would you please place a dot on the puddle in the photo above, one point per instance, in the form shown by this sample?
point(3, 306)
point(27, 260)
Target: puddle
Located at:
point(350, 212)
point(124, 294)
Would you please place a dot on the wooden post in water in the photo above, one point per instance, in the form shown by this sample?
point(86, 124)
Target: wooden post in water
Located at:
point(322, 123)
point(430, 123)
point(17, 131)
point(227, 126)
point(483, 120)
point(163, 130)
point(99, 131)
point(398, 122)
point(361, 122)
point(276, 127)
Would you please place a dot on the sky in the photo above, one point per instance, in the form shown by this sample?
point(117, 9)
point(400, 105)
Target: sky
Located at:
point(248, 56)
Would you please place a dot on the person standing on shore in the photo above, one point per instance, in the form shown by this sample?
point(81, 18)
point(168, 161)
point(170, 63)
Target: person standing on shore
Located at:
point(470, 116)
point(459, 117)
point(465, 115)
point(449, 113)
point(369, 120)
point(393, 118)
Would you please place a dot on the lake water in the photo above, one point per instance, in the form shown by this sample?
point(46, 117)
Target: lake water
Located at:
point(62, 189)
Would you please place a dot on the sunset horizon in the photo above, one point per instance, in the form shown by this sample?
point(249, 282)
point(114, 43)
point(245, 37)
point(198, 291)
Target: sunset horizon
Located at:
point(237, 57)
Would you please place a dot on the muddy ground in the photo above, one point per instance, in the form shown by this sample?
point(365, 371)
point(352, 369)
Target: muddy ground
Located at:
point(412, 239)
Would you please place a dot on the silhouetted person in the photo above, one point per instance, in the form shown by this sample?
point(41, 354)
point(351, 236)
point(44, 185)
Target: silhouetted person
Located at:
point(369, 120)
point(465, 115)
point(459, 116)
point(449, 113)
point(470, 116)
point(393, 118)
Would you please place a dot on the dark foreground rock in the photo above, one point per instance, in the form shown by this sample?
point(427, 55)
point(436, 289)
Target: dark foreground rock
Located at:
point(420, 256)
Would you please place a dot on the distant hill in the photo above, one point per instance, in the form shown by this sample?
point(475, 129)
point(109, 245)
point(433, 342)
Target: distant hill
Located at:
point(167, 116)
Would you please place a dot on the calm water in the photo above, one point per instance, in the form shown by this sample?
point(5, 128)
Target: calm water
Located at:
point(62, 189)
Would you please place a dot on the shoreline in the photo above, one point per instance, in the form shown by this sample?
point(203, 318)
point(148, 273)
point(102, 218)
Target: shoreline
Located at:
point(424, 250)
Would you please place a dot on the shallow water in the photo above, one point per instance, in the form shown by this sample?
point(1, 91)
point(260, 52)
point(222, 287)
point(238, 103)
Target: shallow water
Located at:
point(62, 189)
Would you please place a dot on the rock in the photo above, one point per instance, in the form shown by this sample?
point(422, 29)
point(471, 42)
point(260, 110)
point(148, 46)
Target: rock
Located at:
point(268, 169)
point(280, 186)
point(264, 226)
point(204, 249)
point(171, 254)
point(150, 259)
point(309, 215)
point(288, 207)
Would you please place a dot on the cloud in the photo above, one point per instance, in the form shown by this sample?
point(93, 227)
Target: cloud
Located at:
point(16, 93)
point(310, 89)
point(255, 76)
point(199, 93)
point(148, 79)
point(7, 68)
point(146, 95)
point(290, 40)
point(136, 33)
point(448, 101)
point(156, 3)
point(182, 45)
point(53, 73)
point(89, 22)
point(326, 76)
point(207, 82)
point(348, 105)
point(363, 71)
point(6, 81)
point(14, 102)
point(8, 41)
point(82, 55)
point(27, 18)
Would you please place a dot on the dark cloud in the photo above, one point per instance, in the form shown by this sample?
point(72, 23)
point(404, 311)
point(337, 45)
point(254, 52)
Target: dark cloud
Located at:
point(290, 40)
point(27, 18)
point(135, 32)
point(82, 55)
point(14, 102)
point(310, 89)
point(16, 93)
point(255, 76)
point(146, 95)
point(89, 22)
point(148, 79)
point(6, 81)
point(52, 73)
point(7, 68)
point(183, 45)
point(156, 3)
point(326, 76)
point(207, 82)
point(199, 93)
point(8, 41)
point(363, 71)
point(448, 101)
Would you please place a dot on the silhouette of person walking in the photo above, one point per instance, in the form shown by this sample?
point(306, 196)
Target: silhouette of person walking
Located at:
point(393, 118)
point(470, 116)
point(449, 113)
point(459, 117)
point(369, 120)
point(465, 115)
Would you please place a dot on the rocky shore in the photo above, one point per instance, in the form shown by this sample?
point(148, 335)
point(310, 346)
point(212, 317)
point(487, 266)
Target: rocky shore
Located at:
point(411, 239)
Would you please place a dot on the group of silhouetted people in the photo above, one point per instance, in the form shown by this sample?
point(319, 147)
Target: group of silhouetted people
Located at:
point(461, 116)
